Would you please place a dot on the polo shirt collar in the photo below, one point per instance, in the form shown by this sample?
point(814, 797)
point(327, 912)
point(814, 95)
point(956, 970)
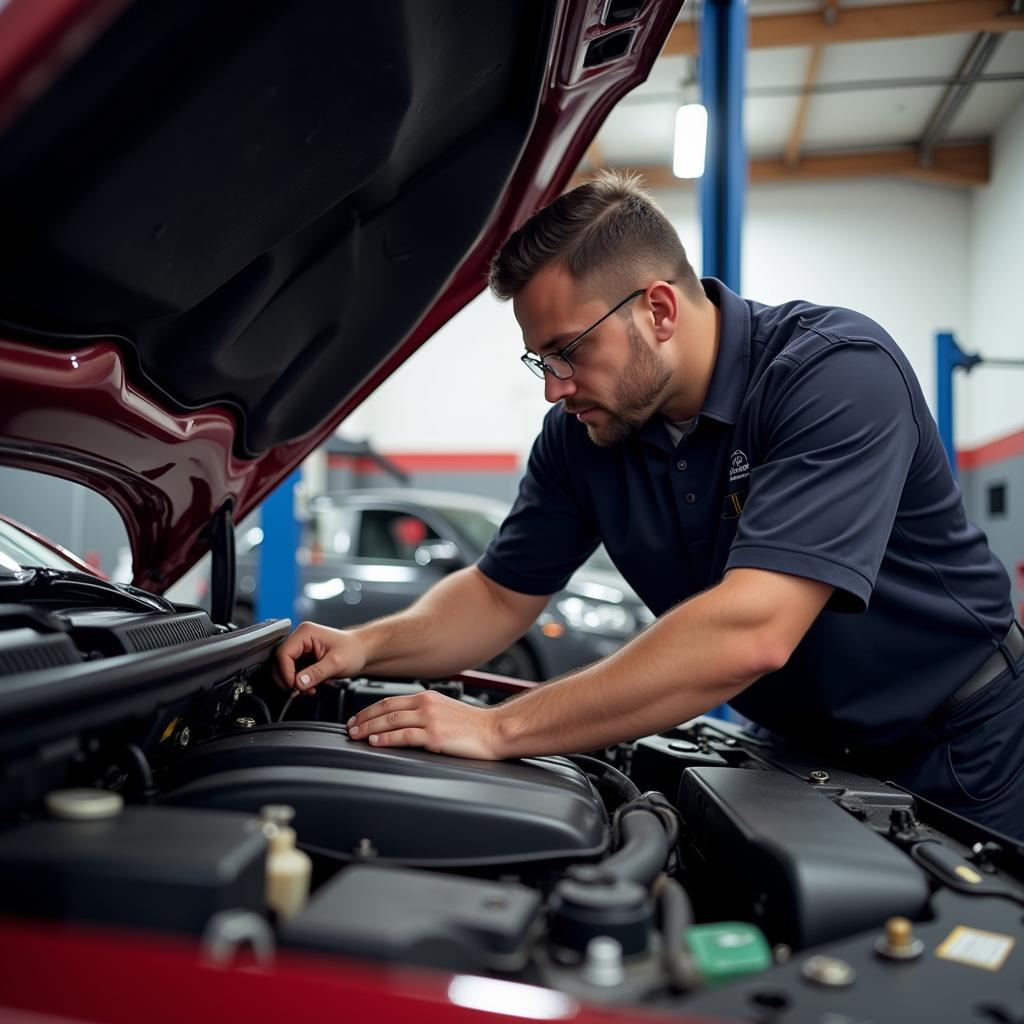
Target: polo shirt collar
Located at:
point(732, 365)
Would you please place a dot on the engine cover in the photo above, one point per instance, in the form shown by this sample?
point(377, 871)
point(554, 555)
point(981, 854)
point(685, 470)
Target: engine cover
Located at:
point(812, 872)
point(408, 806)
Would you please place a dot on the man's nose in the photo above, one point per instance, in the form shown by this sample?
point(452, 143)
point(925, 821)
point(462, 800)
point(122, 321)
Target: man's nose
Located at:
point(555, 390)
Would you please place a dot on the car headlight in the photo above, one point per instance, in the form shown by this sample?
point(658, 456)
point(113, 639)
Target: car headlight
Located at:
point(597, 616)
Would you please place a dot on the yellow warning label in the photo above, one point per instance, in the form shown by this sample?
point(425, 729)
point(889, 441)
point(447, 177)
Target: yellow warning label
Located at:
point(976, 948)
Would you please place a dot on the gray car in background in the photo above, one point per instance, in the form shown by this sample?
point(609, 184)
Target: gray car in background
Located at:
point(369, 553)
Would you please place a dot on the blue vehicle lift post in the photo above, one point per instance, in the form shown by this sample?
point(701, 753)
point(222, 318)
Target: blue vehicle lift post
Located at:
point(723, 42)
point(949, 357)
point(279, 571)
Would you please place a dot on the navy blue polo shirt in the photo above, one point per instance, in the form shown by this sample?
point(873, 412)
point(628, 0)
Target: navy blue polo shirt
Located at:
point(814, 455)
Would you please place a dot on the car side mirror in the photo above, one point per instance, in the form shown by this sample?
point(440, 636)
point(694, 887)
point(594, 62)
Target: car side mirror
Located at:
point(441, 554)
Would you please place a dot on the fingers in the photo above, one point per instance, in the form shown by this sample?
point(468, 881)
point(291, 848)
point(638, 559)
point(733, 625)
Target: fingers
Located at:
point(386, 723)
point(402, 721)
point(294, 647)
point(403, 738)
point(308, 640)
point(383, 708)
point(431, 720)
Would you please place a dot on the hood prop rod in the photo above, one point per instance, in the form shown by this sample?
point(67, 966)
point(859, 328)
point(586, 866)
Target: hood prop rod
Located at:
point(222, 566)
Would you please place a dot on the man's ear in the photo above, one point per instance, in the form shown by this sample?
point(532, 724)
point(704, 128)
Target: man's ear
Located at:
point(664, 305)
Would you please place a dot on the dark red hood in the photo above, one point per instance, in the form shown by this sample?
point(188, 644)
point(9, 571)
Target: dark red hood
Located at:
point(223, 232)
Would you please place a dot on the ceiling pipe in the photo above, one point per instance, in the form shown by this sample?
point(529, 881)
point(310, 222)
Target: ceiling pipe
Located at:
point(974, 64)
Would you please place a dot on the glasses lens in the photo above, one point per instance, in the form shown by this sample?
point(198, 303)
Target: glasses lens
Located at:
point(533, 364)
point(559, 366)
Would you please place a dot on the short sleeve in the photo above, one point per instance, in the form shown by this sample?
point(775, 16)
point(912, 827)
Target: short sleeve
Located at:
point(549, 532)
point(839, 436)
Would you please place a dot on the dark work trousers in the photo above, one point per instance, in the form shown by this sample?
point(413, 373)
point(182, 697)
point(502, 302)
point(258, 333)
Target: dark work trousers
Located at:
point(973, 763)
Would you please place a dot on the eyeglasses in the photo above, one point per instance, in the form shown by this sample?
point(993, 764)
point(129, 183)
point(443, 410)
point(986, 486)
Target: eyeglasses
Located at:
point(557, 363)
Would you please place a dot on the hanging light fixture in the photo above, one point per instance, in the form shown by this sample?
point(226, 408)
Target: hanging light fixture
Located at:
point(690, 141)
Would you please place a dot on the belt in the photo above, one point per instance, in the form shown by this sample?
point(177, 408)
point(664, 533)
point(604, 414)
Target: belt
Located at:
point(995, 665)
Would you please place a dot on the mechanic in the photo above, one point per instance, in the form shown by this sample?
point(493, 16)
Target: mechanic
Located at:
point(771, 483)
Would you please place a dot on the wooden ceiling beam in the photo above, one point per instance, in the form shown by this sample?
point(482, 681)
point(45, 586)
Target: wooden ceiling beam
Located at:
point(958, 165)
point(962, 166)
point(829, 14)
point(796, 135)
point(859, 24)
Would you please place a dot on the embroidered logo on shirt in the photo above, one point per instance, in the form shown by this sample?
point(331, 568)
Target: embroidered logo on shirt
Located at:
point(739, 466)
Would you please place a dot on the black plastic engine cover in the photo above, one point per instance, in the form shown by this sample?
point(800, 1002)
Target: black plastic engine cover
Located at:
point(419, 917)
point(148, 867)
point(812, 871)
point(413, 806)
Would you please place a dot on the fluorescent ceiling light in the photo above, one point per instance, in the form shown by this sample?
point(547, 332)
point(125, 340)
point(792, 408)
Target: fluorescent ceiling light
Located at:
point(691, 139)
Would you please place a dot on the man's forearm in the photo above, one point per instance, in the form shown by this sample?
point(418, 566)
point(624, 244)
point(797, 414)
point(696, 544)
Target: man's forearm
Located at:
point(460, 622)
point(693, 658)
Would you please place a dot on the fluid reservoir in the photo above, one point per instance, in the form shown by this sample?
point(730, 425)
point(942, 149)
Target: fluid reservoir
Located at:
point(288, 868)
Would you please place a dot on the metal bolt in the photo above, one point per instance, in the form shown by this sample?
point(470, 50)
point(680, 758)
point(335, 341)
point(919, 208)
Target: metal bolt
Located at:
point(684, 747)
point(603, 963)
point(829, 971)
point(183, 737)
point(245, 722)
point(899, 942)
point(818, 777)
point(364, 848)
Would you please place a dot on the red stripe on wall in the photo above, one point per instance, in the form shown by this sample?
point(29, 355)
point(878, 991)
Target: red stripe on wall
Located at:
point(995, 451)
point(427, 462)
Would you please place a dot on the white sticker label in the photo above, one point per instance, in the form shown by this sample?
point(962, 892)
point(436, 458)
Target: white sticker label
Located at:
point(976, 948)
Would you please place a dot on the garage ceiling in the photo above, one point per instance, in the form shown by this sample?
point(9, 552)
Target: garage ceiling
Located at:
point(842, 88)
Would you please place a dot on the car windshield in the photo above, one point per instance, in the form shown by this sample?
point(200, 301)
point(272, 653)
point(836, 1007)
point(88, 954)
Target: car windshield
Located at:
point(18, 550)
point(480, 525)
point(477, 525)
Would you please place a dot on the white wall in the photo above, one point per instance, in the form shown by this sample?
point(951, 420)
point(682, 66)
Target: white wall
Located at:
point(894, 250)
point(463, 391)
point(994, 397)
point(898, 251)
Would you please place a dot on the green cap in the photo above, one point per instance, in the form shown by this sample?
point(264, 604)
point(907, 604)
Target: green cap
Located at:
point(728, 950)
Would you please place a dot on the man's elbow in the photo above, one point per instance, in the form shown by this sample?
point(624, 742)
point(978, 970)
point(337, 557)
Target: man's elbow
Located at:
point(763, 652)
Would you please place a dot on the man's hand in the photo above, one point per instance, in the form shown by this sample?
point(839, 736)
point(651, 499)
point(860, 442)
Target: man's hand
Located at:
point(441, 724)
point(335, 652)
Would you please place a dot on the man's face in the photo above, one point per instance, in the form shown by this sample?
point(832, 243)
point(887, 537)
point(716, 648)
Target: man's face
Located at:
point(619, 380)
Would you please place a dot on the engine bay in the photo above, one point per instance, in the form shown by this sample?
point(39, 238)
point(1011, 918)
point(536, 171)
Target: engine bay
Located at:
point(154, 780)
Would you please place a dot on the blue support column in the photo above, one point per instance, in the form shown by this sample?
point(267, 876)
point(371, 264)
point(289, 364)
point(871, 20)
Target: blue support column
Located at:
point(279, 572)
point(723, 42)
point(948, 357)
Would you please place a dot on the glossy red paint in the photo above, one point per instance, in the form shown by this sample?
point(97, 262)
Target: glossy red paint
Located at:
point(82, 975)
point(172, 471)
point(40, 40)
point(166, 472)
point(81, 565)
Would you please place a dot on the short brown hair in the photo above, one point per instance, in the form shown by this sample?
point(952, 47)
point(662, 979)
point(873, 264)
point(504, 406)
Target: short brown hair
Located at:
point(608, 232)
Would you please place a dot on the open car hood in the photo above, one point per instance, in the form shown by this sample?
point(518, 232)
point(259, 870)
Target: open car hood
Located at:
point(222, 232)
